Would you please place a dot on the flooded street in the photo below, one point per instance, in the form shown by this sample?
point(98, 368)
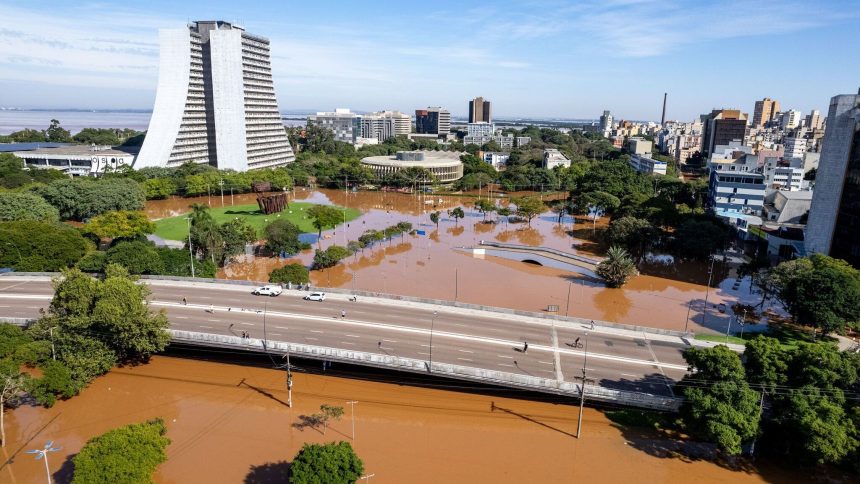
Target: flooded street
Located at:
point(230, 422)
point(430, 265)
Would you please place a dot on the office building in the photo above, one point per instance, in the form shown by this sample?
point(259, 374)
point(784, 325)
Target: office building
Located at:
point(480, 129)
point(721, 127)
point(479, 111)
point(790, 119)
point(79, 160)
point(215, 102)
point(433, 120)
point(496, 159)
point(345, 125)
point(379, 128)
point(639, 146)
point(813, 120)
point(834, 218)
point(605, 124)
point(402, 121)
point(765, 110)
point(795, 145)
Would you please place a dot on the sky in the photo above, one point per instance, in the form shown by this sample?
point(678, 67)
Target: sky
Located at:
point(529, 58)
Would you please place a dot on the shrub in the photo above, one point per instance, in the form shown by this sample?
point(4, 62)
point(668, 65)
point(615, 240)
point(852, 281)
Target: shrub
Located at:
point(294, 273)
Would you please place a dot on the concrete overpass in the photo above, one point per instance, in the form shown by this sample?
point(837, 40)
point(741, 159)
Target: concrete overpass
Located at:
point(544, 256)
point(626, 365)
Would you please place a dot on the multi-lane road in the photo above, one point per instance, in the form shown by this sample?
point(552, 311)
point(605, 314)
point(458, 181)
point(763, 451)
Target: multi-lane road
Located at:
point(495, 341)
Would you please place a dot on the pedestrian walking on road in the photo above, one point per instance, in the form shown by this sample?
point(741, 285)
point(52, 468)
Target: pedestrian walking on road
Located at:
point(379, 345)
point(576, 343)
point(592, 324)
point(342, 314)
point(525, 346)
point(184, 301)
point(212, 309)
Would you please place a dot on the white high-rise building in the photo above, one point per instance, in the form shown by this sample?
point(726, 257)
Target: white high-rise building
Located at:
point(345, 124)
point(790, 119)
point(215, 102)
point(402, 121)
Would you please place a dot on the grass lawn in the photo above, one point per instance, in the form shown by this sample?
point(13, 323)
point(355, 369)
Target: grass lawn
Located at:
point(788, 336)
point(176, 228)
point(721, 338)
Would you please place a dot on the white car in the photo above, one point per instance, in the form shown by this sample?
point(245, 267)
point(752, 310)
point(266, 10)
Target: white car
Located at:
point(268, 291)
point(315, 296)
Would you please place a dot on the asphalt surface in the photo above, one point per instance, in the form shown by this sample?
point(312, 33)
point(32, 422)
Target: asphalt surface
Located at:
point(469, 338)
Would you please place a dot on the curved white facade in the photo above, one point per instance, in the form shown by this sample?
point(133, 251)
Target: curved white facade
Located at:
point(215, 102)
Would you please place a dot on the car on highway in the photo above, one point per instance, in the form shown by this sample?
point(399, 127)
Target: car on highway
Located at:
point(315, 296)
point(269, 290)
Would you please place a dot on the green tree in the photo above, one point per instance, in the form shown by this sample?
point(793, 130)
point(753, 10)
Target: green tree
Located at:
point(82, 198)
point(120, 224)
point(138, 257)
point(12, 387)
point(26, 206)
point(702, 238)
point(816, 426)
point(615, 177)
point(56, 134)
point(159, 188)
point(330, 256)
point(177, 262)
point(28, 136)
point(485, 206)
point(28, 245)
point(56, 381)
point(207, 240)
point(617, 268)
point(282, 236)
point(237, 233)
point(766, 362)
point(324, 216)
point(294, 273)
point(528, 207)
point(820, 291)
point(326, 464)
point(634, 234)
point(95, 261)
point(129, 454)
point(726, 410)
point(602, 201)
point(456, 213)
point(434, 217)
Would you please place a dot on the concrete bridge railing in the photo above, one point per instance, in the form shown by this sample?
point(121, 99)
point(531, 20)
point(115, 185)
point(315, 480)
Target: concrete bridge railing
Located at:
point(547, 250)
point(480, 375)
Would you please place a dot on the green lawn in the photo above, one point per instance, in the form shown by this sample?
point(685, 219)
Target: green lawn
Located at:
point(788, 336)
point(176, 228)
point(721, 338)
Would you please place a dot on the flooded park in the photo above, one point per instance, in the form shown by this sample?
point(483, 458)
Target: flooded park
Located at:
point(230, 423)
point(431, 263)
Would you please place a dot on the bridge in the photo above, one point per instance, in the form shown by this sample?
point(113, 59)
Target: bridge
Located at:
point(544, 256)
point(625, 365)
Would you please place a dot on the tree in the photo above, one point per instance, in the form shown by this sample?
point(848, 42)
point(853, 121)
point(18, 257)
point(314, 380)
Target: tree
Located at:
point(329, 412)
point(83, 197)
point(120, 224)
point(457, 213)
point(616, 268)
point(28, 245)
point(700, 238)
point(282, 236)
point(159, 188)
point(615, 177)
point(504, 212)
point(294, 273)
point(559, 208)
point(528, 207)
point(434, 217)
point(12, 385)
point(137, 256)
point(819, 291)
point(128, 454)
point(766, 362)
point(326, 464)
point(725, 411)
point(330, 256)
point(485, 206)
point(207, 239)
point(634, 234)
point(56, 381)
point(817, 429)
point(177, 262)
point(599, 201)
point(26, 206)
point(56, 134)
point(236, 234)
point(324, 216)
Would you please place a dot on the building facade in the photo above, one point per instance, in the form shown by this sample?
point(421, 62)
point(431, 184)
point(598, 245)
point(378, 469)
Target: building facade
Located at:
point(834, 217)
point(553, 158)
point(344, 124)
point(647, 165)
point(765, 110)
point(79, 160)
point(480, 111)
point(444, 165)
point(215, 102)
point(721, 127)
point(433, 120)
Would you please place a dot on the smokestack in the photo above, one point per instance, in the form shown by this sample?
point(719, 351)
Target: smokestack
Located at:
point(663, 117)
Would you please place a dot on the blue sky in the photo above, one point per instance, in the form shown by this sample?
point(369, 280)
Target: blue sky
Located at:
point(530, 58)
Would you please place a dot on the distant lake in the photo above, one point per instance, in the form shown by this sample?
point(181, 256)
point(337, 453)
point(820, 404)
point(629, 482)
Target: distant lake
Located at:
point(74, 121)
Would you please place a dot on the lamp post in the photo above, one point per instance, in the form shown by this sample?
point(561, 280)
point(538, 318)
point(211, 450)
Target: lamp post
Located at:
point(190, 252)
point(567, 306)
point(432, 324)
point(582, 390)
point(707, 289)
point(43, 453)
point(16, 250)
point(352, 403)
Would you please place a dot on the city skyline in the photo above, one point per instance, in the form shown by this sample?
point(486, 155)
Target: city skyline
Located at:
point(535, 59)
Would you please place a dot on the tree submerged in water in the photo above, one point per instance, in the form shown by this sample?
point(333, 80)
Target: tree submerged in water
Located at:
point(617, 268)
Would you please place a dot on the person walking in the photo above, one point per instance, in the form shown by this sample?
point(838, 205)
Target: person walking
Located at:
point(576, 343)
point(212, 309)
point(592, 324)
point(184, 301)
point(525, 347)
point(342, 314)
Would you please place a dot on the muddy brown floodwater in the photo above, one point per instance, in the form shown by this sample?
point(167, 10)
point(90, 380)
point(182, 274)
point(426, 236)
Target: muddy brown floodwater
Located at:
point(431, 266)
point(226, 420)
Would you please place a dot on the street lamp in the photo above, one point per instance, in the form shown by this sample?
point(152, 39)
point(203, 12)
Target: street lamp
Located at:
point(582, 390)
point(352, 404)
point(432, 323)
point(43, 453)
point(707, 289)
point(16, 250)
point(190, 252)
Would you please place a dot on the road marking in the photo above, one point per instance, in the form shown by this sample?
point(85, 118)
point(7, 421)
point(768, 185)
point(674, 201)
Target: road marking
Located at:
point(26, 296)
point(505, 356)
point(505, 364)
point(465, 351)
point(425, 354)
point(425, 346)
point(546, 362)
point(465, 359)
point(316, 331)
point(181, 317)
point(311, 338)
point(275, 334)
point(629, 374)
point(347, 343)
point(352, 336)
point(33, 307)
point(247, 324)
point(389, 340)
point(282, 327)
point(214, 320)
point(5, 306)
point(14, 285)
point(207, 327)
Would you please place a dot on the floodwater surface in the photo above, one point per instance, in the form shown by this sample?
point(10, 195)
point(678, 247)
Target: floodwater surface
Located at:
point(230, 423)
point(431, 265)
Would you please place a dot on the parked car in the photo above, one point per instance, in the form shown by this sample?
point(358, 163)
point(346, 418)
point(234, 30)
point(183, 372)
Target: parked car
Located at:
point(315, 296)
point(270, 290)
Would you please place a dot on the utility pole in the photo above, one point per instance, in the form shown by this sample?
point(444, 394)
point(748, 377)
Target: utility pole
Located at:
point(53, 352)
point(567, 307)
point(456, 284)
point(582, 391)
point(687, 321)
point(760, 408)
point(367, 477)
point(190, 252)
point(289, 379)
point(352, 403)
point(221, 184)
point(707, 290)
point(432, 323)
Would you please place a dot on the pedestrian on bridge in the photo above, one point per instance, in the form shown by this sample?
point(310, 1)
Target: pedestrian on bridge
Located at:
point(525, 346)
point(342, 314)
point(184, 301)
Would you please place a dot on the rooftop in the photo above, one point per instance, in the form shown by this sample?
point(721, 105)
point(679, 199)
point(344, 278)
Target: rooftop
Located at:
point(431, 159)
point(80, 150)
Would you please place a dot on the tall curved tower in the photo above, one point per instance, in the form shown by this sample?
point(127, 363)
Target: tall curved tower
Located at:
point(215, 102)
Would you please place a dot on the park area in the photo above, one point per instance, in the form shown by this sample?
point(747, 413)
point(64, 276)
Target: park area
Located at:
point(176, 228)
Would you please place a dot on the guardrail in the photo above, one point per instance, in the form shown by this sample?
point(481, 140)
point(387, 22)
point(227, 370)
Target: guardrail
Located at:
point(480, 375)
point(541, 249)
point(397, 297)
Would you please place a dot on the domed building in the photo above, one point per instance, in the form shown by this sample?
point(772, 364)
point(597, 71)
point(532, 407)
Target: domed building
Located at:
point(444, 165)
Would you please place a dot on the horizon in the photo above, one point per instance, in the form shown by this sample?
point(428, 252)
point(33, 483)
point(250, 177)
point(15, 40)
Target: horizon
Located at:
point(533, 60)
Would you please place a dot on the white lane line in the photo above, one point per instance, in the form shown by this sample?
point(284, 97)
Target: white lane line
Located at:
point(352, 336)
point(545, 362)
point(214, 320)
point(312, 338)
point(282, 327)
point(275, 334)
point(316, 331)
point(465, 359)
point(505, 364)
point(389, 340)
point(207, 327)
point(347, 343)
point(445, 334)
point(425, 354)
point(425, 346)
point(33, 307)
point(5, 306)
point(202, 297)
point(629, 374)
point(465, 351)
point(247, 324)
point(180, 317)
point(14, 285)
point(505, 356)
point(26, 296)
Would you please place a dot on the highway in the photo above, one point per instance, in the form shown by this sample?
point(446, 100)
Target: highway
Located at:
point(617, 359)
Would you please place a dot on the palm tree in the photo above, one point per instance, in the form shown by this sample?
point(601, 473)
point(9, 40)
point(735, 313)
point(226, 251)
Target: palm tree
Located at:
point(199, 213)
point(617, 267)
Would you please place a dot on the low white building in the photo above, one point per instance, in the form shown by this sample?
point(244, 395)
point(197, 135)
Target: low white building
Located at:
point(648, 166)
point(480, 129)
point(496, 159)
point(553, 158)
point(80, 160)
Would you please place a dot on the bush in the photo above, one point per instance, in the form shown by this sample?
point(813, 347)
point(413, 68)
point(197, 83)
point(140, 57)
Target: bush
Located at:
point(177, 262)
point(330, 256)
point(82, 198)
point(26, 206)
point(282, 236)
point(56, 381)
point(294, 273)
point(93, 262)
point(37, 246)
point(328, 463)
point(128, 454)
point(136, 256)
